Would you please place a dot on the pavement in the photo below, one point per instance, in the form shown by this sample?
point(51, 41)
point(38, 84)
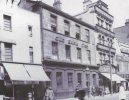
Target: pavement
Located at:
point(106, 97)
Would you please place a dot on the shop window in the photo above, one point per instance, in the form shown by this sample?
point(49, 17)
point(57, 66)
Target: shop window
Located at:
point(70, 80)
point(59, 80)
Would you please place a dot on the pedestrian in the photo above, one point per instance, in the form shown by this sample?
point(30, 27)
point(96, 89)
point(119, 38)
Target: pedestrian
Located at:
point(49, 94)
point(122, 94)
point(80, 93)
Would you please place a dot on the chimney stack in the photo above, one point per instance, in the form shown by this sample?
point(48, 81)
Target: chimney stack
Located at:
point(57, 4)
point(127, 22)
point(85, 4)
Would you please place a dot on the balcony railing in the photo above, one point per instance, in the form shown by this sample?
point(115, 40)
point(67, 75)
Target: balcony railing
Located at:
point(104, 31)
point(104, 13)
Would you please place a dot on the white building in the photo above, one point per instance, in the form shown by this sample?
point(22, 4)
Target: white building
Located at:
point(20, 49)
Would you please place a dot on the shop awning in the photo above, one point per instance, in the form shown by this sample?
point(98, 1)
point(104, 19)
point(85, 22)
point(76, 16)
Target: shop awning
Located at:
point(17, 72)
point(25, 72)
point(115, 77)
point(36, 73)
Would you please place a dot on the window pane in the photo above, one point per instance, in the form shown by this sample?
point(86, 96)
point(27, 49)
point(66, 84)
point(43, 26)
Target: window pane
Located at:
point(68, 52)
point(55, 48)
point(70, 80)
point(59, 80)
point(7, 22)
point(8, 52)
point(78, 53)
point(79, 77)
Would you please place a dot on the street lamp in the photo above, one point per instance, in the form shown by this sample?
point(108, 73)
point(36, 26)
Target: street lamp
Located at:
point(110, 46)
point(87, 83)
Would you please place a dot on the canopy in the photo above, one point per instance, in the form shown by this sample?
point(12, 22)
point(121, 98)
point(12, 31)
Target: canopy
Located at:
point(115, 77)
point(17, 72)
point(24, 72)
point(36, 73)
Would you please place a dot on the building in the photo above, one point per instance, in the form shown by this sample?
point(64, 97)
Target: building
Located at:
point(20, 51)
point(68, 49)
point(122, 54)
point(97, 14)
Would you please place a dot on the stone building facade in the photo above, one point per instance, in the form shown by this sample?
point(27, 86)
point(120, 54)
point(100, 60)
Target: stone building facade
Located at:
point(122, 54)
point(68, 49)
point(20, 52)
point(97, 14)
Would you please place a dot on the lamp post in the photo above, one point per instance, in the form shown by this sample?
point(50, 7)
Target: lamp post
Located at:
point(110, 46)
point(87, 83)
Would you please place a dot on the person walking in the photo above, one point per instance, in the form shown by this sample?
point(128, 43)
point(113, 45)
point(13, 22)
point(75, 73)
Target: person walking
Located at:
point(49, 94)
point(122, 94)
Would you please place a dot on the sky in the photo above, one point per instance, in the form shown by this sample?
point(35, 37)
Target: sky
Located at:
point(118, 8)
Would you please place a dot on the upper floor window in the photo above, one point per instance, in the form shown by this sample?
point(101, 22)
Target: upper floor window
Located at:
point(68, 51)
point(78, 53)
point(87, 35)
point(53, 21)
point(55, 48)
point(0, 51)
point(30, 30)
point(78, 32)
point(8, 52)
point(7, 22)
point(31, 54)
point(89, 55)
point(66, 28)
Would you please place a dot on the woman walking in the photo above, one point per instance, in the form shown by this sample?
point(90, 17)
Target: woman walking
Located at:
point(122, 94)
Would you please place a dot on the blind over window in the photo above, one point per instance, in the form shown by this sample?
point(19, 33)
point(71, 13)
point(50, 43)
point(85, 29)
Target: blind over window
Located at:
point(7, 22)
point(8, 52)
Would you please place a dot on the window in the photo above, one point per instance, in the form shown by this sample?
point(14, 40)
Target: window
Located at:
point(8, 52)
point(79, 77)
point(87, 36)
point(53, 21)
point(55, 48)
point(87, 80)
point(49, 75)
point(79, 53)
point(66, 28)
point(0, 51)
point(77, 32)
point(7, 22)
point(31, 54)
point(89, 55)
point(68, 52)
point(103, 40)
point(94, 79)
point(30, 30)
point(70, 80)
point(59, 80)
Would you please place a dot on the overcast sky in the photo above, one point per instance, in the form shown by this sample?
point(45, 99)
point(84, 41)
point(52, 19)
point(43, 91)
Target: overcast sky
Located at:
point(118, 8)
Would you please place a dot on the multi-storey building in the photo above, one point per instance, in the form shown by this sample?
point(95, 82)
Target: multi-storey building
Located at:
point(122, 54)
point(68, 48)
point(97, 14)
point(20, 51)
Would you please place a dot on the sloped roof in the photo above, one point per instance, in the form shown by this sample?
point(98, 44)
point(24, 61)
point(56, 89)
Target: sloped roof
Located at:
point(122, 34)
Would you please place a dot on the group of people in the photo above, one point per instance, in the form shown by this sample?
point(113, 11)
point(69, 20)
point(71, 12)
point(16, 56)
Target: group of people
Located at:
point(80, 93)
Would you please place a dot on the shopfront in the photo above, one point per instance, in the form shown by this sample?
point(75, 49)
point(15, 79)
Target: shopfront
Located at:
point(20, 81)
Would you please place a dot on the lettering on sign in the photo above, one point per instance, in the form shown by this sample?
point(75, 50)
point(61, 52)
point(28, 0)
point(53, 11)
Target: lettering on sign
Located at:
point(84, 46)
point(73, 42)
point(59, 39)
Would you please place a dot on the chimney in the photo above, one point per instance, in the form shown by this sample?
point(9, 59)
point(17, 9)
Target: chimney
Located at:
point(57, 4)
point(127, 22)
point(85, 4)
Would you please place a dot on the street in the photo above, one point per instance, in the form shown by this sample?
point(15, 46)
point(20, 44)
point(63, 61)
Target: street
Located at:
point(106, 97)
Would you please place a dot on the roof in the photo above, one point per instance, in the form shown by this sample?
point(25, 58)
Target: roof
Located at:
point(59, 12)
point(122, 34)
